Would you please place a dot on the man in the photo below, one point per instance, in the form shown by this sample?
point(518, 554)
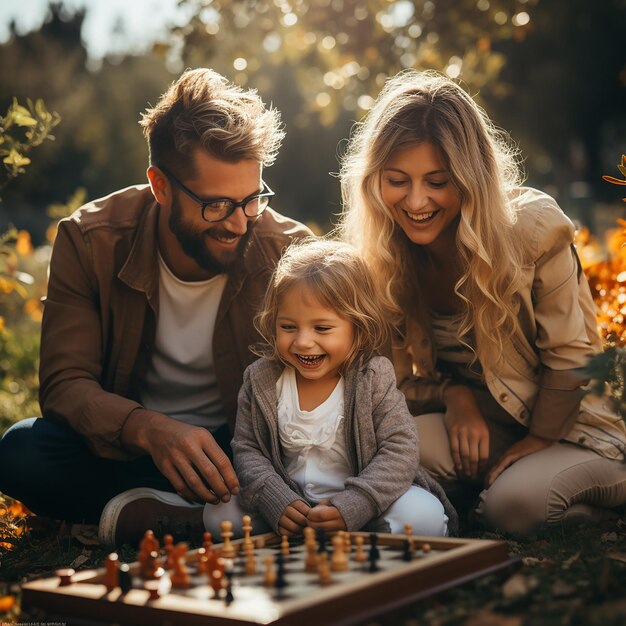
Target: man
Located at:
point(148, 322)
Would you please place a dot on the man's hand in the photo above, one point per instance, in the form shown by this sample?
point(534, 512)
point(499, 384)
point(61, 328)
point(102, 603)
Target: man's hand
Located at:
point(524, 447)
point(293, 519)
point(186, 455)
point(467, 431)
point(326, 516)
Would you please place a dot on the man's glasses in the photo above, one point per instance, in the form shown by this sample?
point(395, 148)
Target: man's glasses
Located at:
point(218, 209)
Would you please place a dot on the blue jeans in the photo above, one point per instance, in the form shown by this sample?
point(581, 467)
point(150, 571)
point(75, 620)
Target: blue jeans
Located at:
point(48, 467)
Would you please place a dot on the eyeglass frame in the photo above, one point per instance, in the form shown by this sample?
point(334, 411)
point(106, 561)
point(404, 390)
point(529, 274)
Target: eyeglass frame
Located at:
point(204, 202)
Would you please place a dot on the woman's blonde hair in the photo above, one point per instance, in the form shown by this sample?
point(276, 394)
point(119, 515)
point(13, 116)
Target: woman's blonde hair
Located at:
point(340, 280)
point(414, 108)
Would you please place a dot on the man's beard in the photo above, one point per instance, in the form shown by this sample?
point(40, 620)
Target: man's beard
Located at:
point(195, 242)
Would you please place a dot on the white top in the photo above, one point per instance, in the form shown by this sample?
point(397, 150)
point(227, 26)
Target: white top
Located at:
point(313, 442)
point(180, 381)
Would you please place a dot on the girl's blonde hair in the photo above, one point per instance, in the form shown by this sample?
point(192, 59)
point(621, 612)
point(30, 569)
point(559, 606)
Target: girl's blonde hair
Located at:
point(413, 108)
point(340, 280)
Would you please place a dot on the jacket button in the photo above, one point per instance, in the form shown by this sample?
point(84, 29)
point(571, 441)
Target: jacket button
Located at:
point(504, 397)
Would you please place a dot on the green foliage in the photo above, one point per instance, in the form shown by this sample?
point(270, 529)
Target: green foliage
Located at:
point(22, 272)
point(609, 368)
point(341, 51)
point(21, 129)
point(618, 181)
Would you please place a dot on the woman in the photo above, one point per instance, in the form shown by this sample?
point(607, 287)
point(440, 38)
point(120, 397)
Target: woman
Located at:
point(493, 314)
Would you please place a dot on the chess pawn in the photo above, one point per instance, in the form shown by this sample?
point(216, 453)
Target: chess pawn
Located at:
point(250, 568)
point(203, 560)
point(310, 561)
point(309, 536)
point(247, 531)
point(284, 545)
point(180, 574)
point(323, 569)
point(148, 544)
point(269, 576)
point(359, 555)
point(151, 569)
point(207, 541)
point(168, 548)
point(338, 561)
point(347, 542)
point(111, 574)
point(228, 551)
point(408, 531)
point(216, 580)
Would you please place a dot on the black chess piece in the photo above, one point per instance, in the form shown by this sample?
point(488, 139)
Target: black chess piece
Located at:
point(320, 535)
point(125, 578)
point(374, 545)
point(374, 554)
point(407, 555)
point(281, 581)
point(228, 598)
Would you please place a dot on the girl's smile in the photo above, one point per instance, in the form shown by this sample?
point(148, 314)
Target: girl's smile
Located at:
point(312, 337)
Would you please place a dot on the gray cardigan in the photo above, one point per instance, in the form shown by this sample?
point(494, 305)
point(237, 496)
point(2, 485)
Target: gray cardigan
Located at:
point(381, 440)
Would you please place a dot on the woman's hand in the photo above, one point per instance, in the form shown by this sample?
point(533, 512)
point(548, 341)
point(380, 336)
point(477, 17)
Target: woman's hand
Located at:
point(326, 516)
point(467, 431)
point(524, 447)
point(294, 518)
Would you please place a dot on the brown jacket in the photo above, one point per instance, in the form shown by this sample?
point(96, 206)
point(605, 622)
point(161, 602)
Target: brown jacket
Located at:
point(100, 313)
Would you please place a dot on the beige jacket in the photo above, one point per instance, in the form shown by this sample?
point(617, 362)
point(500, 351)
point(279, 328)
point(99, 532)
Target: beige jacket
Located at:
point(101, 313)
point(539, 380)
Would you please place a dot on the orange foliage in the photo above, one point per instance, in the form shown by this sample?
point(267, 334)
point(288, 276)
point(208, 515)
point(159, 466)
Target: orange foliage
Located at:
point(13, 516)
point(23, 245)
point(607, 279)
point(6, 603)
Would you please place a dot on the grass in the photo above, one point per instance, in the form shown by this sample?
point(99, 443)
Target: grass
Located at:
point(567, 577)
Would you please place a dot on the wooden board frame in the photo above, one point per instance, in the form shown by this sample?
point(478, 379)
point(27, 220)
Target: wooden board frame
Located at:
point(452, 562)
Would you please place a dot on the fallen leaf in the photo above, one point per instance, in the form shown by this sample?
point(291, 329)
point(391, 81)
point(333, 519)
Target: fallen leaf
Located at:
point(81, 559)
point(518, 585)
point(489, 618)
point(87, 534)
point(561, 589)
point(612, 536)
point(533, 560)
point(568, 562)
point(617, 556)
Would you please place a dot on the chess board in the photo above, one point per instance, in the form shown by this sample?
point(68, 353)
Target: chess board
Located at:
point(353, 595)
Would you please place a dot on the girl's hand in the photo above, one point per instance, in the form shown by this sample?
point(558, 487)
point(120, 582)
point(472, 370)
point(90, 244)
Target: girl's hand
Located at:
point(327, 517)
point(294, 518)
point(524, 447)
point(467, 431)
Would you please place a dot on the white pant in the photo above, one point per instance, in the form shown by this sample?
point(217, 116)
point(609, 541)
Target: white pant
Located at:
point(421, 509)
point(416, 506)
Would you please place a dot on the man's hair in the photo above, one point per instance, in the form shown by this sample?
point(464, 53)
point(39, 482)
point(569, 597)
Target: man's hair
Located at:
point(204, 110)
point(336, 276)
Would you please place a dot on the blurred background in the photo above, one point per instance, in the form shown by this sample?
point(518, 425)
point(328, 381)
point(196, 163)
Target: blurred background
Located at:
point(551, 72)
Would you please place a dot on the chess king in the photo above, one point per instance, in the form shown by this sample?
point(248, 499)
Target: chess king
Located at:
point(148, 319)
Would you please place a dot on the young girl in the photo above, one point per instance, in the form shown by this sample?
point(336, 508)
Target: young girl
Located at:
point(323, 437)
point(493, 314)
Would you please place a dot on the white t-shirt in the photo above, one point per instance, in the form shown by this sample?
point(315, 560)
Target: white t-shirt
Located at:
point(180, 381)
point(313, 442)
